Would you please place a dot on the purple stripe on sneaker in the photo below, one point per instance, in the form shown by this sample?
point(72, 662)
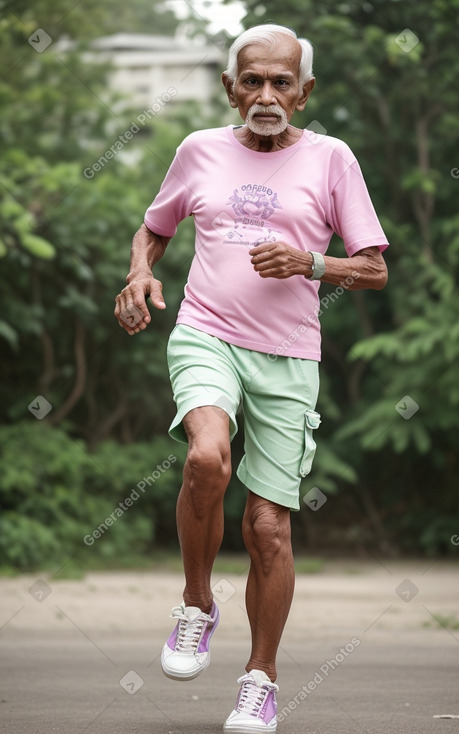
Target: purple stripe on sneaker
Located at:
point(172, 641)
point(269, 709)
point(209, 629)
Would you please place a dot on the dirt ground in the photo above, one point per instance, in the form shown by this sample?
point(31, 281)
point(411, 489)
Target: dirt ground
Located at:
point(397, 596)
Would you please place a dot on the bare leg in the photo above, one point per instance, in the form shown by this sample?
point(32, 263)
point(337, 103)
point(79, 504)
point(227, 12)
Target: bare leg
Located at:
point(206, 475)
point(271, 580)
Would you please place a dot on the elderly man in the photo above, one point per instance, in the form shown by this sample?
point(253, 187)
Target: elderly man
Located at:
point(266, 198)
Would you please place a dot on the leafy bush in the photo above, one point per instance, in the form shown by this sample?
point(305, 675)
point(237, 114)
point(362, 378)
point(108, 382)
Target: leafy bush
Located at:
point(55, 495)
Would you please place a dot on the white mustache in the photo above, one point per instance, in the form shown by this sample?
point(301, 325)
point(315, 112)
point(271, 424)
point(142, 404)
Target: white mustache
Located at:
point(273, 109)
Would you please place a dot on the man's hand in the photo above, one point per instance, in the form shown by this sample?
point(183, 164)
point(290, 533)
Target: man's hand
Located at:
point(279, 260)
point(365, 269)
point(131, 308)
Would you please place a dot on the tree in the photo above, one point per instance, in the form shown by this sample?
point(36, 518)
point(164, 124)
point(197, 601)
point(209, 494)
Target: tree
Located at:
point(68, 213)
point(67, 222)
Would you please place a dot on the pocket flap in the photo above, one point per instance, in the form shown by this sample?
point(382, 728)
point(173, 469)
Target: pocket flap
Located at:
point(313, 419)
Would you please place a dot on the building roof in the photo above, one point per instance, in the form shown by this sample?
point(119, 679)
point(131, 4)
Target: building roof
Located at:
point(138, 42)
point(145, 43)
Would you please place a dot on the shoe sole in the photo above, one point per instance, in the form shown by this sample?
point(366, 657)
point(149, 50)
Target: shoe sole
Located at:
point(174, 675)
point(241, 729)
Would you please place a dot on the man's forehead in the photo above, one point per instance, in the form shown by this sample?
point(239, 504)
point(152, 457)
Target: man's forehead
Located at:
point(284, 54)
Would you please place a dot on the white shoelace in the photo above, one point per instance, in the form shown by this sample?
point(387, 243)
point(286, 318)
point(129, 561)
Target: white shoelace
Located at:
point(252, 697)
point(189, 631)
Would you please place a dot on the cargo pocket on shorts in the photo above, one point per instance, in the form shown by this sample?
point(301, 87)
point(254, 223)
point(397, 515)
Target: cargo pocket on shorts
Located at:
point(311, 422)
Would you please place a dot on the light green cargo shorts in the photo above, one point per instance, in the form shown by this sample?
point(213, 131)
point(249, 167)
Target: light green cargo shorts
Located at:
point(277, 397)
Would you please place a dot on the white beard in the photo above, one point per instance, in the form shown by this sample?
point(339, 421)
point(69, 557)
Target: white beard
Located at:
point(263, 127)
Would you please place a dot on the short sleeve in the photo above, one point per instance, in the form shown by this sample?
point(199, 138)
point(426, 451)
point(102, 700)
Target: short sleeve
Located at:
point(352, 214)
point(172, 203)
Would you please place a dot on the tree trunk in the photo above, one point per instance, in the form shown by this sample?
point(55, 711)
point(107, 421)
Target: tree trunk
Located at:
point(80, 377)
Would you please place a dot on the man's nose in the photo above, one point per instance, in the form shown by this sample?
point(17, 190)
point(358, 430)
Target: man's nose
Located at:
point(266, 96)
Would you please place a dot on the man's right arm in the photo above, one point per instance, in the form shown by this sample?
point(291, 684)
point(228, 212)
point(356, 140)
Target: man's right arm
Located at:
point(131, 309)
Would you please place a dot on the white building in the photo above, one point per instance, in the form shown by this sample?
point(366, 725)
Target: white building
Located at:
point(147, 66)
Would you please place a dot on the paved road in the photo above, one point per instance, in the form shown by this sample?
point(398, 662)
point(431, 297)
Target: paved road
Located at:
point(69, 682)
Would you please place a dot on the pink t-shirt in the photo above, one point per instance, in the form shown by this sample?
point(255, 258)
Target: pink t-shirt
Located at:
point(239, 197)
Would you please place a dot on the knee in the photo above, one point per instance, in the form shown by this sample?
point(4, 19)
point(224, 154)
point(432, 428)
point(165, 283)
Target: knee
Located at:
point(207, 464)
point(266, 533)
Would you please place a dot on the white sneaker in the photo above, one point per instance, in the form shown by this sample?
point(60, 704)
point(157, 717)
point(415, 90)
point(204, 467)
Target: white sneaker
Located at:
point(186, 653)
point(256, 706)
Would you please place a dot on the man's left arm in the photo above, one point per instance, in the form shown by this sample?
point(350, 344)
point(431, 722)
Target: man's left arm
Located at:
point(365, 269)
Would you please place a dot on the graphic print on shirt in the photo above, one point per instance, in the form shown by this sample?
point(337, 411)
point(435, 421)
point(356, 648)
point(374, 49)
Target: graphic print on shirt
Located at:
point(252, 205)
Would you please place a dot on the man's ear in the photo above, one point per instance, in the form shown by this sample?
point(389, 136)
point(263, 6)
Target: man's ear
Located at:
point(307, 89)
point(228, 84)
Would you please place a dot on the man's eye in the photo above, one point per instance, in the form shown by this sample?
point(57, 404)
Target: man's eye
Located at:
point(281, 83)
point(251, 82)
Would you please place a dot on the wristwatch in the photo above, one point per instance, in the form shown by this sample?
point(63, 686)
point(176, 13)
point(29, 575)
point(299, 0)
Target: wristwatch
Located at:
point(318, 266)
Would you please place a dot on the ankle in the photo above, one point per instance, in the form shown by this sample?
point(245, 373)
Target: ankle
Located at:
point(202, 602)
point(269, 669)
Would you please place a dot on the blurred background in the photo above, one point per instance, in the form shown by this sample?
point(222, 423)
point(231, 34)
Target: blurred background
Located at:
point(94, 99)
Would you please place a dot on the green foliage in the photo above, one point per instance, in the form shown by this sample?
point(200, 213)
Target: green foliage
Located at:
point(55, 494)
point(85, 20)
point(61, 339)
point(443, 621)
point(65, 253)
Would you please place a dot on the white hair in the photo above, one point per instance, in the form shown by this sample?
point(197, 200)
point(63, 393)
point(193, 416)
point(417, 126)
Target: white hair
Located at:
point(266, 34)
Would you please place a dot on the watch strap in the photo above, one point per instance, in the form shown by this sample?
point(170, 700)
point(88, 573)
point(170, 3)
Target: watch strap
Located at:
point(318, 266)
